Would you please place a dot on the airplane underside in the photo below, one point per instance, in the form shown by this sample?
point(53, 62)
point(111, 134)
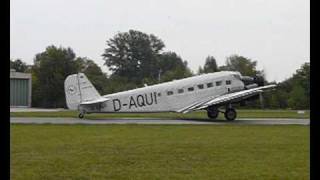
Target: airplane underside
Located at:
point(212, 112)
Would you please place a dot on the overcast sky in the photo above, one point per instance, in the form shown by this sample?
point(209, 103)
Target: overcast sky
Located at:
point(275, 33)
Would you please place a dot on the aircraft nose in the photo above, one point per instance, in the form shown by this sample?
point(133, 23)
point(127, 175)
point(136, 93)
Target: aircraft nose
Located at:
point(259, 80)
point(248, 80)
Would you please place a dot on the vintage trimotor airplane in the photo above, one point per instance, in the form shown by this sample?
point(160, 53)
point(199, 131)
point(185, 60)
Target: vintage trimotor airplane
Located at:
point(203, 92)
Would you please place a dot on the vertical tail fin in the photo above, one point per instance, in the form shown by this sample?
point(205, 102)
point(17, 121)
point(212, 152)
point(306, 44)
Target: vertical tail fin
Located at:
point(79, 89)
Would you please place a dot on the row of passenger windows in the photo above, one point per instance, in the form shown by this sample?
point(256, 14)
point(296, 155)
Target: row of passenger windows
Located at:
point(200, 86)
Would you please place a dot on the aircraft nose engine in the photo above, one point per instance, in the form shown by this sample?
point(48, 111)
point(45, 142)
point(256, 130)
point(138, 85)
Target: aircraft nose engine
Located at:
point(252, 82)
point(259, 80)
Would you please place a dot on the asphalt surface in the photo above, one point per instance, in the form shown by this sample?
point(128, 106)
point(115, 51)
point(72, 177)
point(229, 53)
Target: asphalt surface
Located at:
point(21, 109)
point(244, 121)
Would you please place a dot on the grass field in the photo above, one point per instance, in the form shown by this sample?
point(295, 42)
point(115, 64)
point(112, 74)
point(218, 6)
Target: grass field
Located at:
point(199, 114)
point(159, 152)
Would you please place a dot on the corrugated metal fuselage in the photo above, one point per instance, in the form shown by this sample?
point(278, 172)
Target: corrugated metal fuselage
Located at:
point(155, 98)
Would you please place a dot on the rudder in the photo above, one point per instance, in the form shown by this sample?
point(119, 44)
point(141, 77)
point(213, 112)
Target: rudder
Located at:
point(79, 89)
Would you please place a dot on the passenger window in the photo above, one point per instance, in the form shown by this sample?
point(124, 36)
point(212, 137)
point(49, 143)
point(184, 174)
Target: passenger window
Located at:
point(228, 82)
point(218, 83)
point(190, 88)
point(180, 91)
point(209, 85)
point(200, 86)
point(169, 93)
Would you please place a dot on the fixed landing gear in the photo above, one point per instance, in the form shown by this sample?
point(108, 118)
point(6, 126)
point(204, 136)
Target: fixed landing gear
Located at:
point(212, 112)
point(230, 114)
point(81, 114)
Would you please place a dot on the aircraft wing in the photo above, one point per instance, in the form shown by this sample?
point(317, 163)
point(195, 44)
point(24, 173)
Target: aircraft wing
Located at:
point(96, 101)
point(230, 97)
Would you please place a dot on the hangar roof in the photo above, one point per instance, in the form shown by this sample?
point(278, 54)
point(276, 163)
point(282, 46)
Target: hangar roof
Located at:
point(19, 75)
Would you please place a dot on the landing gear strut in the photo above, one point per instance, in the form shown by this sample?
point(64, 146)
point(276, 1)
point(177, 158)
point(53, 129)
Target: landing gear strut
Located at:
point(212, 112)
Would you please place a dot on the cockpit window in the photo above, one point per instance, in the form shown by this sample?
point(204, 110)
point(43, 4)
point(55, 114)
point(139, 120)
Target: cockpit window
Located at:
point(228, 82)
point(237, 76)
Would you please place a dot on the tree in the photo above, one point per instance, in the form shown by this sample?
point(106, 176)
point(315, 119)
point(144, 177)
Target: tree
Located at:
point(293, 92)
point(210, 65)
point(175, 74)
point(117, 83)
point(297, 99)
point(302, 77)
point(133, 55)
point(245, 66)
point(93, 72)
point(50, 69)
point(18, 65)
point(298, 88)
point(200, 70)
point(171, 66)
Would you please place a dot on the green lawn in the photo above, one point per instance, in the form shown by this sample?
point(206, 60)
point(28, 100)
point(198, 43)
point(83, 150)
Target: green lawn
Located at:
point(159, 152)
point(198, 114)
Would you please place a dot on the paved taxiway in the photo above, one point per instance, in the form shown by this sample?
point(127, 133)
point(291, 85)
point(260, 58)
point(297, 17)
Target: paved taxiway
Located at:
point(245, 121)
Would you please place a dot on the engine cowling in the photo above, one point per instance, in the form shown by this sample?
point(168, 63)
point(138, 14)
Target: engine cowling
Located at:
point(251, 82)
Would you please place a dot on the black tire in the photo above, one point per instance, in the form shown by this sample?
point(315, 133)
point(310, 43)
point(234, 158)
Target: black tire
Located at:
point(81, 115)
point(230, 114)
point(212, 112)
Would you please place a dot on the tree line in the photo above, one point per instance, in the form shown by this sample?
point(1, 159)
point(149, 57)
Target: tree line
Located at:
point(135, 59)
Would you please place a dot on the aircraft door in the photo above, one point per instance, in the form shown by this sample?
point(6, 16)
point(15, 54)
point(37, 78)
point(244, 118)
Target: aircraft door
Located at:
point(228, 86)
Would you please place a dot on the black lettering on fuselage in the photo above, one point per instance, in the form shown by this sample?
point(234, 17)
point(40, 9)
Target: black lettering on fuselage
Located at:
point(140, 100)
point(132, 102)
point(155, 97)
point(151, 97)
point(116, 108)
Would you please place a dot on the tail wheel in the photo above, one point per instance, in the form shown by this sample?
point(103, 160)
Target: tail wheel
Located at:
point(230, 114)
point(212, 112)
point(81, 115)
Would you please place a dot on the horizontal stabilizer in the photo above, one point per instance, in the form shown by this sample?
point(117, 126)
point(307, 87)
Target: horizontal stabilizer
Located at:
point(100, 100)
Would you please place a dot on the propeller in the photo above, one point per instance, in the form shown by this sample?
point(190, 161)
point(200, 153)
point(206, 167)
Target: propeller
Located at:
point(258, 80)
point(253, 82)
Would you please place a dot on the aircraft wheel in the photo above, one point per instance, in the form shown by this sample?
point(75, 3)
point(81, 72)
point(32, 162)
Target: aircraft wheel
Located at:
point(230, 114)
point(81, 115)
point(212, 112)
